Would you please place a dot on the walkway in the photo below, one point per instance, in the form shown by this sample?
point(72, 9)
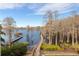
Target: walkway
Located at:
point(35, 51)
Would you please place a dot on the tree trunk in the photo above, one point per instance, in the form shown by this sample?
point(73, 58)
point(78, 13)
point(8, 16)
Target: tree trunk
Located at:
point(56, 39)
point(50, 39)
point(68, 37)
point(10, 37)
point(76, 38)
point(73, 37)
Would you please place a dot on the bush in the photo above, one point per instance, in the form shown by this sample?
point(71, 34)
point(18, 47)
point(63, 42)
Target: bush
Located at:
point(50, 47)
point(76, 46)
point(17, 49)
point(5, 51)
point(66, 45)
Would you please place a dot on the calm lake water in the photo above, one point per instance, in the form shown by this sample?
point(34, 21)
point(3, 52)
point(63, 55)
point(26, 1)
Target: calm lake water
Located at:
point(34, 34)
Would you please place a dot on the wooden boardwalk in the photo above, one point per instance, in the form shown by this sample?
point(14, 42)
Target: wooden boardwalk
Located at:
point(35, 51)
point(65, 52)
point(59, 53)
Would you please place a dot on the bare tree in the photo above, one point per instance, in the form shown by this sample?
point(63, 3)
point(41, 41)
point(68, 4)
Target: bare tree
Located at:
point(56, 29)
point(9, 24)
point(49, 26)
point(73, 27)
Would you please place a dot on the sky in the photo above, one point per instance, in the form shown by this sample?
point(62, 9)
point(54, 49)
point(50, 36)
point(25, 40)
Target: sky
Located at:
point(33, 14)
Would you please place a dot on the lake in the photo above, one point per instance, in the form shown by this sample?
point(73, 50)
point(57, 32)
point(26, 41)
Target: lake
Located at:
point(35, 34)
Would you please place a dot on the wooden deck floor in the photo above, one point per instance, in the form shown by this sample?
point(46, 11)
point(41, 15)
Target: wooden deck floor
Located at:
point(60, 53)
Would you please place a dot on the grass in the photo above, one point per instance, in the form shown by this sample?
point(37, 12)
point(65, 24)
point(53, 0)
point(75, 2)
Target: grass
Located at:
point(50, 47)
point(76, 46)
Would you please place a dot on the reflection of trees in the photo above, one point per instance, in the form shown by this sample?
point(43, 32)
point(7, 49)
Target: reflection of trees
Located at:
point(30, 34)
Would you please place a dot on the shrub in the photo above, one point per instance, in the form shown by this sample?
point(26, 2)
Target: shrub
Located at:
point(17, 49)
point(5, 51)
point(50, 47)
point(66, 45)
point(75, 47)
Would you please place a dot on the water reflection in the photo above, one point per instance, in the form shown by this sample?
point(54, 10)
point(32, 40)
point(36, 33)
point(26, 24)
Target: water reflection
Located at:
point(34, 36)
